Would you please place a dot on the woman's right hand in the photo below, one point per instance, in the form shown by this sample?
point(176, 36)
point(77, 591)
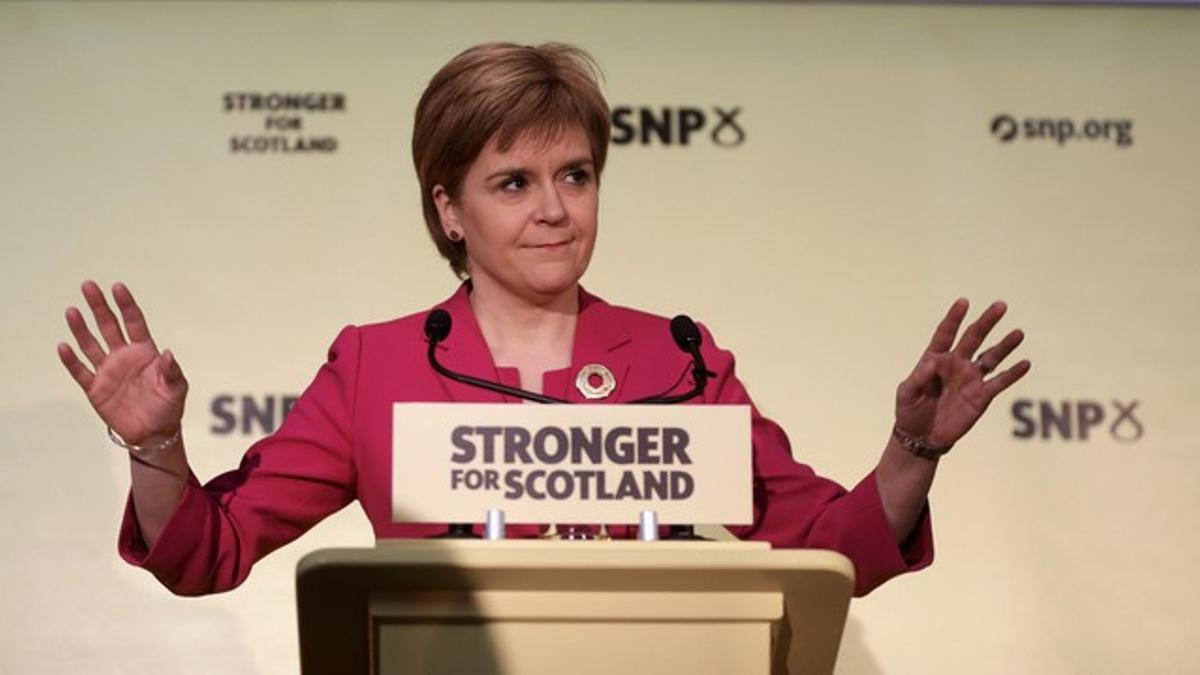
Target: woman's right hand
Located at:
point(136, 390)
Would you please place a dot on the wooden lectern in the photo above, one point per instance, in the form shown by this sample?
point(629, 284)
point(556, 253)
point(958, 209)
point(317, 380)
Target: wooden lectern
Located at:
point(531, 607)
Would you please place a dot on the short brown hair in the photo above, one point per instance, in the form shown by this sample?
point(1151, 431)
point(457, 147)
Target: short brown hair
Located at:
point(502, 91)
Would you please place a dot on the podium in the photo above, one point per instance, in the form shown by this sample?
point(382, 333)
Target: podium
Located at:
point(531, 607)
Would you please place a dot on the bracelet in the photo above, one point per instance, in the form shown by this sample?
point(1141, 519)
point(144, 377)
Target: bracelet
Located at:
point(142, 449)
point(918, 446)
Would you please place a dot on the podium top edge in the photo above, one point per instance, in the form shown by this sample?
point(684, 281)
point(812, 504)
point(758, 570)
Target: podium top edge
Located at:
point(451, 545)
point(547, 555)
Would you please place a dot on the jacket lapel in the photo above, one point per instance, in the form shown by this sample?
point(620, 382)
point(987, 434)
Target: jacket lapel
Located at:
point(599, 336)
point(465, 351)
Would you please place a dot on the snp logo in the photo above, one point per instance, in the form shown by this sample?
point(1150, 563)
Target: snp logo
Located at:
point(676, 125)
point(247, 414)
point(1075, 420)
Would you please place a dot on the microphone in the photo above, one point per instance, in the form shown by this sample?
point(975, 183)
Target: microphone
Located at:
point(687, 338)
point(437, 325)
point(437, 328)
point(685, 332)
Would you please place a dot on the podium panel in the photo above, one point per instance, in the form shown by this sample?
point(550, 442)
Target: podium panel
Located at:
point(582, 607)
point(602, 633)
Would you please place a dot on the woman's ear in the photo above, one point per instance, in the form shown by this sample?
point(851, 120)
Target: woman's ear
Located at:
point(447, 213)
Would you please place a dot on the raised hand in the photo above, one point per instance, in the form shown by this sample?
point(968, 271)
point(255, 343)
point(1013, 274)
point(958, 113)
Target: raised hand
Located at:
point(950, 388)
point(136, 390)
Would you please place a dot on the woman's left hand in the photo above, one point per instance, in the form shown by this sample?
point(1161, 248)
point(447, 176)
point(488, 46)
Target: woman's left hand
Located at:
point(950, 388)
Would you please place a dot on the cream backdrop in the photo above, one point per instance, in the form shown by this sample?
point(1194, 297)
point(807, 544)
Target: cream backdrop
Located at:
point(870, 191)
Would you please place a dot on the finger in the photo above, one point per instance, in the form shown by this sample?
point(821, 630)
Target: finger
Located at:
point(169, 368)
point(992, 358)
point(978, 331)
point(135, 321)
point(920, 378)
point(75, 367)
point(1005, 379)
point(943, 336)
point(84, 338)
point(106, 321)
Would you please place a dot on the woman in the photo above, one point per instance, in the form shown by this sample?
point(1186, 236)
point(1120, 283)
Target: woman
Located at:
point(509, 145)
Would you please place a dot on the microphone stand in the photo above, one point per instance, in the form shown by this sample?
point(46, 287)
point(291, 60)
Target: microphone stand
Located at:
point(490, 386)
point(457, 531)
point(700, 375)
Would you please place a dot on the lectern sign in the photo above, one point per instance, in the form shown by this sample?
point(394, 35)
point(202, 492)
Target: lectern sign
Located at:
point(452, 462)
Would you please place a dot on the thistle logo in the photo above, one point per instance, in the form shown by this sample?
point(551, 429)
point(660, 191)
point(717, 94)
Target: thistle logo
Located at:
point(677, 125)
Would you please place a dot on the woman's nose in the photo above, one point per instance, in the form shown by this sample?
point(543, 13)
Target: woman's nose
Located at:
point(551, 210)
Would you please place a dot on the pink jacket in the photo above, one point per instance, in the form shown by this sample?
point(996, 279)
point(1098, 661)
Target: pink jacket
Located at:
point(334, 447)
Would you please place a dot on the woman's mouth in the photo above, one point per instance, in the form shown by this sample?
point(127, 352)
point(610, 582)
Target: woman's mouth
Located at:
point(552, 246)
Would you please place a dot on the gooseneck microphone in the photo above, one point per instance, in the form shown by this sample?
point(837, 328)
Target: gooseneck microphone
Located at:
point(687, 337)
point(686, 334)
point(437, 328)
point(437, 325)
point(683, 330)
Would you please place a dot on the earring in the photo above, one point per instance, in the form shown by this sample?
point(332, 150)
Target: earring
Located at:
point(454, 235)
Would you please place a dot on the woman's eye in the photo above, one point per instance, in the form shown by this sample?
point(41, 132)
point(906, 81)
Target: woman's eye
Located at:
point(513, 184)
point(578, 176)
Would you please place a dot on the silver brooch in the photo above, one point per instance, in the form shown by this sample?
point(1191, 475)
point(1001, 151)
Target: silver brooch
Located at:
point(583, 381)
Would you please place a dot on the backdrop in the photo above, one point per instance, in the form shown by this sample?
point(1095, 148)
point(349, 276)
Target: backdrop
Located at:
point(815, 183)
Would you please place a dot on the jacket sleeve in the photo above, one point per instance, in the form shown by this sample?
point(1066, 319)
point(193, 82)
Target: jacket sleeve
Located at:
point(796, 508)
point(284, 485)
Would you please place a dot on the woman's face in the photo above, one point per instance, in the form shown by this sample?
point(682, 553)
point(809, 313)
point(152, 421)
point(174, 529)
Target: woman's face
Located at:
point(527, 215)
